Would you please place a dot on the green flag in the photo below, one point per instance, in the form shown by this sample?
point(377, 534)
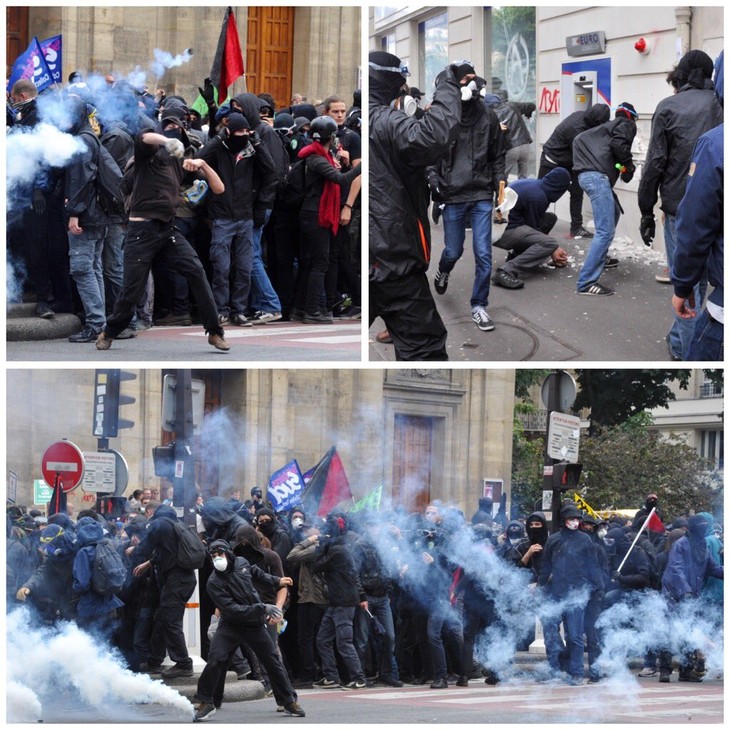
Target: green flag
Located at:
point(370, 501)
point(201, 106)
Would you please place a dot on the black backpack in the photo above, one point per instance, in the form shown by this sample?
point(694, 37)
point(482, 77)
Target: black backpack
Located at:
point(109, 572)
point(108, 182)
point(190, 550)
point(294, 188)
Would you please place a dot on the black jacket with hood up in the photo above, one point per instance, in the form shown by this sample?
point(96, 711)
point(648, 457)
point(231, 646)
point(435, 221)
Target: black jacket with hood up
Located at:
point(559, 145)
point(600, 149)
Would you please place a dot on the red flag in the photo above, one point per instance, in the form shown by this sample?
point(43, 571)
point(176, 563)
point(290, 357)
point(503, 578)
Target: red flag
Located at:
point(655, 524)
point(228, 61)
point(328, 486)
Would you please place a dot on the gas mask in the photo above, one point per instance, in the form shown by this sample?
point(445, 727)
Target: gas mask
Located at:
point(602, 532)
point(472, 91)
point(220, 562)
point(408, 104)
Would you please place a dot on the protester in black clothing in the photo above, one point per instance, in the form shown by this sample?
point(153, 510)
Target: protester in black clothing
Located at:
point(221, 520)
point(594, 606)
point(531, 548)
point(158, 173)
point(242, 619)
point(158, 550)
point(319, 220)
point(270, 527)
point(651, 502)
point(558, 152)
point(401, 147)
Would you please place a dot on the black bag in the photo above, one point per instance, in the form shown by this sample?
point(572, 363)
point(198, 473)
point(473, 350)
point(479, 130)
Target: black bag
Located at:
point(190, 549)
point(109, 184)
point(109, 572)
point(294, 186)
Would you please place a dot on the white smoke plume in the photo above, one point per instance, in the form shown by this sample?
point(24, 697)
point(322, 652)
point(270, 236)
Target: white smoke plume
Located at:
point(68, 661)
point(164, 60)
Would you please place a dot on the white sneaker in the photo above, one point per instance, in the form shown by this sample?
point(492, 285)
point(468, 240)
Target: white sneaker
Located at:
point(481, 319)
point(647, 672)
point(265, 317)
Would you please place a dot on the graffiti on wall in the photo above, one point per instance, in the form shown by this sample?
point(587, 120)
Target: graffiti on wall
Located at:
point(549, 101)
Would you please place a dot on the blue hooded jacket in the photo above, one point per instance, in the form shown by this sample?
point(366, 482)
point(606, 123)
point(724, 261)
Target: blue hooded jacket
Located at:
point(535, 196)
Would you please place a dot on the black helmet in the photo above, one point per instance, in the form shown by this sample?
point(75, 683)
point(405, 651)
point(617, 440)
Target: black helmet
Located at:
point(322, 128)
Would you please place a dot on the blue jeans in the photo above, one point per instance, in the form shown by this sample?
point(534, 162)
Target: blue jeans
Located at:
point(573, 625)
point(443, 617)
point(455, 217)
point(708, 339)
point(85, 256)
point(231, 245)
point(682, 330)
point(605, 216)
point(263, 296)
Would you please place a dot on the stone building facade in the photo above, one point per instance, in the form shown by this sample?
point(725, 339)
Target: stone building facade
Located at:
point(314, 51)
point(423, 434)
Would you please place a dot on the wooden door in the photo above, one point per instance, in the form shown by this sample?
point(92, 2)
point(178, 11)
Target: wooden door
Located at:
point(270, 51)
point(16, 35)
point(412, 458)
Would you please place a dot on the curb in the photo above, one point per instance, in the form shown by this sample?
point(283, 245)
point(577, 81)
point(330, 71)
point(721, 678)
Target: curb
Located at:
point(22, 324)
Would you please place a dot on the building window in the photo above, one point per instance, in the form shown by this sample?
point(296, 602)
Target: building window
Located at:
point(709, 389)
point(711, 447)
point(433, 52)
point(387, 43)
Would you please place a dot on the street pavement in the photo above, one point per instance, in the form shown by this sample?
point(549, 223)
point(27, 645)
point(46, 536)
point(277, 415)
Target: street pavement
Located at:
point(521, 700)
point(546, 320)
point(275, 342)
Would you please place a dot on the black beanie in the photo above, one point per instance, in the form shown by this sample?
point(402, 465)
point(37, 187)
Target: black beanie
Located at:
point(237, 121)
point(386, 78)
point(693, 68)
point(462, 68)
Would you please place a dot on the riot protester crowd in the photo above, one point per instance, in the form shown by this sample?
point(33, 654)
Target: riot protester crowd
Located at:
point(149, 213)
point(378, 597)
point(455, 156)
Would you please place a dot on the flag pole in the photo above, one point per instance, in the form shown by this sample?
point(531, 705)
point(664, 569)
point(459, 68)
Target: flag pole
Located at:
point(641, 529)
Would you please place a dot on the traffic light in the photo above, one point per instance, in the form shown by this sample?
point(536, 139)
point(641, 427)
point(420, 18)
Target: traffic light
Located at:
point(164, 460)
point(107, 401)
point(565, 476)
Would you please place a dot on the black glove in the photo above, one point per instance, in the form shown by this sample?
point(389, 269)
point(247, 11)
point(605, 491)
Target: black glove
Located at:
point(38, 205)
point(628, 173)
point(616, 576)
point(435, 191)
point(647, 229)
point(528, 110)
point(254, 138)
point(207, 92)
point(259, 218)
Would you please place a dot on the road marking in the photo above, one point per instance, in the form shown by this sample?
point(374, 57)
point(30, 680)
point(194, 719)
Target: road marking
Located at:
point(281, 332)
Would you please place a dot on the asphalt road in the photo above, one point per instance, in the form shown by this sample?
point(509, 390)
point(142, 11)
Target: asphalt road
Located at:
point(276, 342)
point(517, 701)
point(547, 320)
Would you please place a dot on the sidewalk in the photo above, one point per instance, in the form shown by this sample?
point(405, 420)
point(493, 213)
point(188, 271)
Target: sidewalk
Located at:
point(546, 320)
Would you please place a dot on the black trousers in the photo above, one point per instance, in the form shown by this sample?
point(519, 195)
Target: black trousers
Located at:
point(145, 239)
point(314, 263)
point(167, 632)
point(226, 640)
point(407, 307)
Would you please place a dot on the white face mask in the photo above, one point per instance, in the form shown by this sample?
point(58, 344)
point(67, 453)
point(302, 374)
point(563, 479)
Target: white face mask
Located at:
point(572, 524)
point(515, 540)
point(602, 533)
point(220, 562)
point(297, 522)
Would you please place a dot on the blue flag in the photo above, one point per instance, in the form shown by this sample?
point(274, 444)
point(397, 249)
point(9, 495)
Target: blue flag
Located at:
point(53, 53)
point(285, 487)
point(31, 64)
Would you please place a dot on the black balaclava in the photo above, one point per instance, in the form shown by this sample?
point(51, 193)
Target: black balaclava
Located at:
point(386, 78)
point(696, 533)
point(651, 502)
point(237, 143)
point(694, 68)
point(537, 536)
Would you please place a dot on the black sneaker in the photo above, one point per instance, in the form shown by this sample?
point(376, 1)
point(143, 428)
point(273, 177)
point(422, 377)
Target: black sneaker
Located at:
point(87, 334)
point(203, 711)
point(390, 681)
point(581, 233)
point(463, 681)
point(356, 684)
point(610, 263)
point(664, 677)
point(240, 320)
point(441, 281)
point(505, 279)
point(596, 290)
point(481, 319)
point(176, 670)
point(327, 683)
point(294, 709)
point(440, 683)
point(146, 668)
point(576, 681)
point(594, 680)
point(44, 311)
point(265, 317)
point(317, 318)
point(689, 677)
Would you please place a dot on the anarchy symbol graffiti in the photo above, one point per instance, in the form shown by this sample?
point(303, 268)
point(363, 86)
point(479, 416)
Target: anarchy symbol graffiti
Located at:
point(517, 66)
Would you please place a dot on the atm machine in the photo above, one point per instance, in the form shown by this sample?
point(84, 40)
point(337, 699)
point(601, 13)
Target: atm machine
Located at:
point(583, 84)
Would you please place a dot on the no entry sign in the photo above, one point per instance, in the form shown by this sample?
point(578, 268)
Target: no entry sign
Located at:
point(64, 461)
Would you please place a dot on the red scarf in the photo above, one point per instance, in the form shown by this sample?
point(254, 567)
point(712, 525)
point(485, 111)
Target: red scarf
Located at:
point(329, 203)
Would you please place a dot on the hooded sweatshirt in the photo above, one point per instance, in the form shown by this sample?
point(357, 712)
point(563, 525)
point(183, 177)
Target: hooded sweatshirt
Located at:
point(558, 150)
point(248, 545)
point(535, 196)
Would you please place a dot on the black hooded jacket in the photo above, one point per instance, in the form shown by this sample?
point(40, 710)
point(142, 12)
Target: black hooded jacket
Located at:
point(249, 103)
point(636, 571)
point(677, 124)
point(232, 590)
point(534, 537)
point(159, 544)
point(569, 563)
point(220, 520)
point(334, 560)
point(473, 166)
point(248, 545)
point(558, 149)
point(600, 149)
point(401, 147)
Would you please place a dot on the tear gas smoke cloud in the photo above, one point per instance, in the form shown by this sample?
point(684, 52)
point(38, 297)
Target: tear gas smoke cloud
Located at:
point(164, 60)
point(222, 442)
point(72, 662)
point(15, 276)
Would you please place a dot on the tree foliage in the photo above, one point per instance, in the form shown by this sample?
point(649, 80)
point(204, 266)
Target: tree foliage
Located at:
point(622, 464)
